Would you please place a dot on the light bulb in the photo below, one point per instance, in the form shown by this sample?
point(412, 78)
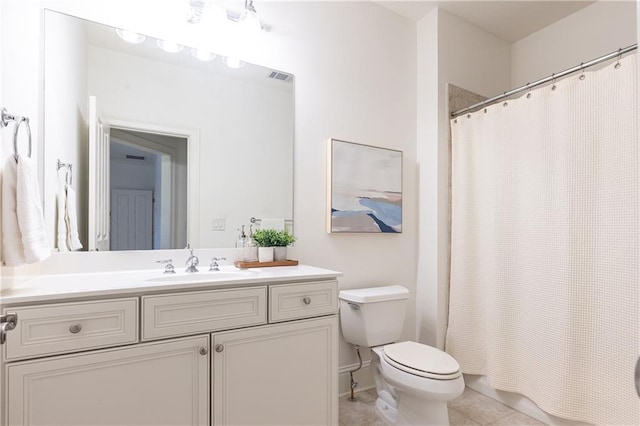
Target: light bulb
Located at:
point(232, 62)
point(203, 55)
point(130, 36)
point(214, 15)
point(169, 46)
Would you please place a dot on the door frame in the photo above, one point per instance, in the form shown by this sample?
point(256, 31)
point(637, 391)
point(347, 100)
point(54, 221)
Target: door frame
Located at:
point(193, 167)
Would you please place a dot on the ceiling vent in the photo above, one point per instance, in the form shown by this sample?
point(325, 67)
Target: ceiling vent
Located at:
point(135, 157)
point(276, 75)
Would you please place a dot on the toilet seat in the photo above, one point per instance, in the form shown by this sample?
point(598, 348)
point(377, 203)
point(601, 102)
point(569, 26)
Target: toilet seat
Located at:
point(421, 360)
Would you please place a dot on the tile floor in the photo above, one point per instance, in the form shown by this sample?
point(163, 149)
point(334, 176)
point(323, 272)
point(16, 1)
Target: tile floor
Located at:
point(471, 408)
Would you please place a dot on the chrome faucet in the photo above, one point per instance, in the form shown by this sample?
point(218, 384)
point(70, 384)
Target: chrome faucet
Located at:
point(192, 261)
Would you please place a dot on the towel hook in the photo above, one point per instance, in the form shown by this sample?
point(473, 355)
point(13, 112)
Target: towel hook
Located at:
point(68, 173)
point(5, 118)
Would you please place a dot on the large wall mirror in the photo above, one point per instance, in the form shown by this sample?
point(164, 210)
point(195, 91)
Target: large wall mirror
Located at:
point(168, 145)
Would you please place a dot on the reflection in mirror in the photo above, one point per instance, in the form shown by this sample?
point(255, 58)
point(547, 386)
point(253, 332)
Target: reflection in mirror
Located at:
point(188, 149)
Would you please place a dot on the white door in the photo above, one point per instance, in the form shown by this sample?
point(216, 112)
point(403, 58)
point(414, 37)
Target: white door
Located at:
point(152, 384)
point(131, 219)
point(98, 221)
point(277, 374)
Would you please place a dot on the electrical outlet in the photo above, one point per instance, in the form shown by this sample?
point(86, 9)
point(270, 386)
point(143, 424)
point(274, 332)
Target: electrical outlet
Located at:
point(218, 225)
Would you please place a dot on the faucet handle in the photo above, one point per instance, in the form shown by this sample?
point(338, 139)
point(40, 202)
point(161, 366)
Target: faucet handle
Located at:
point(168, 269)
point(214, 263)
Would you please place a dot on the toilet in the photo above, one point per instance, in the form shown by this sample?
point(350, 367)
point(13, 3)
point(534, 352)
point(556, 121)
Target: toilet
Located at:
point(414, 381)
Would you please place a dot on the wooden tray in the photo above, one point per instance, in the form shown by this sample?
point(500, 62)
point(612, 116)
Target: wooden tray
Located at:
point(244, 265)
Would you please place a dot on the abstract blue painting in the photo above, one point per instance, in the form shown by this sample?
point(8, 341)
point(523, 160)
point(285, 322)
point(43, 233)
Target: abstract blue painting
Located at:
point(365, 188)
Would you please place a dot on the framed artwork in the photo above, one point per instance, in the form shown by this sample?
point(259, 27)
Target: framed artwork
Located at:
point(364, 188)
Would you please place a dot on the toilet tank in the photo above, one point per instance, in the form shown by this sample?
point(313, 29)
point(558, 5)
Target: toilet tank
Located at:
point(373, 316)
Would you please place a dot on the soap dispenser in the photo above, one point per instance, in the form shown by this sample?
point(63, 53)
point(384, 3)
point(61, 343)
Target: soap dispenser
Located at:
point(250, 252)
point(242, 239)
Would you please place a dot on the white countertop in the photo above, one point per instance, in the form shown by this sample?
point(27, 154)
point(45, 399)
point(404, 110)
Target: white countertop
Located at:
point(59, 287)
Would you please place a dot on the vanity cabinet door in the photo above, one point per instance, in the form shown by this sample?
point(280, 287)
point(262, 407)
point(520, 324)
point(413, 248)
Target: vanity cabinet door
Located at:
point(151, 384)
point(284, 374)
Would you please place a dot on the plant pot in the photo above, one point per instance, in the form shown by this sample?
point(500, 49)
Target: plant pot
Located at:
point(265, 254)
point(280, 253)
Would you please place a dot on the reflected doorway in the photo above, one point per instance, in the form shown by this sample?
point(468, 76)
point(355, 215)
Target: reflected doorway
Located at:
point(148, 190)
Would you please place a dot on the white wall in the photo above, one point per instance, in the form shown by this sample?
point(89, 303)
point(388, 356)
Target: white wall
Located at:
point(355, 74)
point(450, 50)
point(21, 85)
point(589, 33)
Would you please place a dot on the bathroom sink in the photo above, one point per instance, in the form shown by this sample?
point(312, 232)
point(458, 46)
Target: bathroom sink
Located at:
point(197, 277)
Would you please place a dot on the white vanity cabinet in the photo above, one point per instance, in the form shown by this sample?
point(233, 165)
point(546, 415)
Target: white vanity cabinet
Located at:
point(149, 384)
point(256, 354)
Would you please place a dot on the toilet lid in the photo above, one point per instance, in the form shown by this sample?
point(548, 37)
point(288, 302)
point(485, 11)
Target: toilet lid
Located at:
point(422, 360)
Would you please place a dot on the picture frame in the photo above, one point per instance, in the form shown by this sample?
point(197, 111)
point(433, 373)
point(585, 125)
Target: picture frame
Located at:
point(364, 189)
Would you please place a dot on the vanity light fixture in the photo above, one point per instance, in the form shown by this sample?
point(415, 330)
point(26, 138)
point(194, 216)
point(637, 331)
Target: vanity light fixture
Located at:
point(249, 17)
point(130, 36)
point(196, 9)
point(202, 55)
point(205, 11)
point(232, 62)
point(169, 46)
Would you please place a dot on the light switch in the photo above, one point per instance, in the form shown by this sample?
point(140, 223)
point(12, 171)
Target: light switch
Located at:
point(218, 225)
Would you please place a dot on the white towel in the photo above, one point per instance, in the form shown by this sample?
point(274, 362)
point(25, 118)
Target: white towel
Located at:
point(277, 224)
point(29, 210)
point(61, 222)
point(12, 250)
point(72, 220)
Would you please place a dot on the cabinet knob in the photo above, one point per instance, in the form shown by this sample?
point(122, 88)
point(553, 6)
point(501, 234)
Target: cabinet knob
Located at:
point(204, 350)
point(75, 328)
point(306, 300)
point(219, 348)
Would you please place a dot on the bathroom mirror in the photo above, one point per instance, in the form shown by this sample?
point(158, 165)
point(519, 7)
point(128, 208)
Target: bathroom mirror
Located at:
point(188, 148)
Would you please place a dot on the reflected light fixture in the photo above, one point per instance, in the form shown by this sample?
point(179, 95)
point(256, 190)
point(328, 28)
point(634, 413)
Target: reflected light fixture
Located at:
point(130, 36)
point(249, 17)
point(232, 62)
point(169, 46)
point(202, 55)
point(196, 8)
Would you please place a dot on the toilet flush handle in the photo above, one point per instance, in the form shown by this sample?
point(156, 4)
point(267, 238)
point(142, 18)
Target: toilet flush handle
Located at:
point(353, 306)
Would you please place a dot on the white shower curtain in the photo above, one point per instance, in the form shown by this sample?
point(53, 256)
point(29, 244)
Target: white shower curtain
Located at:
point(545, 253)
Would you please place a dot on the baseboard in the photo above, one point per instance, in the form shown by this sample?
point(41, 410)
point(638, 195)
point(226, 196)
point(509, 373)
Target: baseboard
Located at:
point(516, 401)
point(362, 376)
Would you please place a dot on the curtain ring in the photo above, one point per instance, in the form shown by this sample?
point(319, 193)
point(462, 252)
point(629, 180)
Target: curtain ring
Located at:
point(528, 93)
point(618, 64)
point(553, 81)
point(582, 76)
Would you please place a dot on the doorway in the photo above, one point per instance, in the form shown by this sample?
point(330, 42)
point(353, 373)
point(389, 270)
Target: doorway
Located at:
point(148, 187)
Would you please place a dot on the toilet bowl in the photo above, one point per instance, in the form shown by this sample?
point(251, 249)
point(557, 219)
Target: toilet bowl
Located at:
point(420, 386)
point(414, 381)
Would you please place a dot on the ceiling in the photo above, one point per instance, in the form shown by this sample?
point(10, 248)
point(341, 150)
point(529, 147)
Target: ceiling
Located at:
point(508, 20)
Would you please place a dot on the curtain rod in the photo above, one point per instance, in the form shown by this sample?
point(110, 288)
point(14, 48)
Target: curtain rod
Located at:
point(618, 53)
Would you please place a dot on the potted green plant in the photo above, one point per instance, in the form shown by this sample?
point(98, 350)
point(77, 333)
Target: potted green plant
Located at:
point(282, 240)
point(265, 240)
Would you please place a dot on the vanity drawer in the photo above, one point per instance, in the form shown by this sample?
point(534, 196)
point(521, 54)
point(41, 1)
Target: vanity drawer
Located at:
point(182, 314)
point(68, 327)
point(292, 301)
